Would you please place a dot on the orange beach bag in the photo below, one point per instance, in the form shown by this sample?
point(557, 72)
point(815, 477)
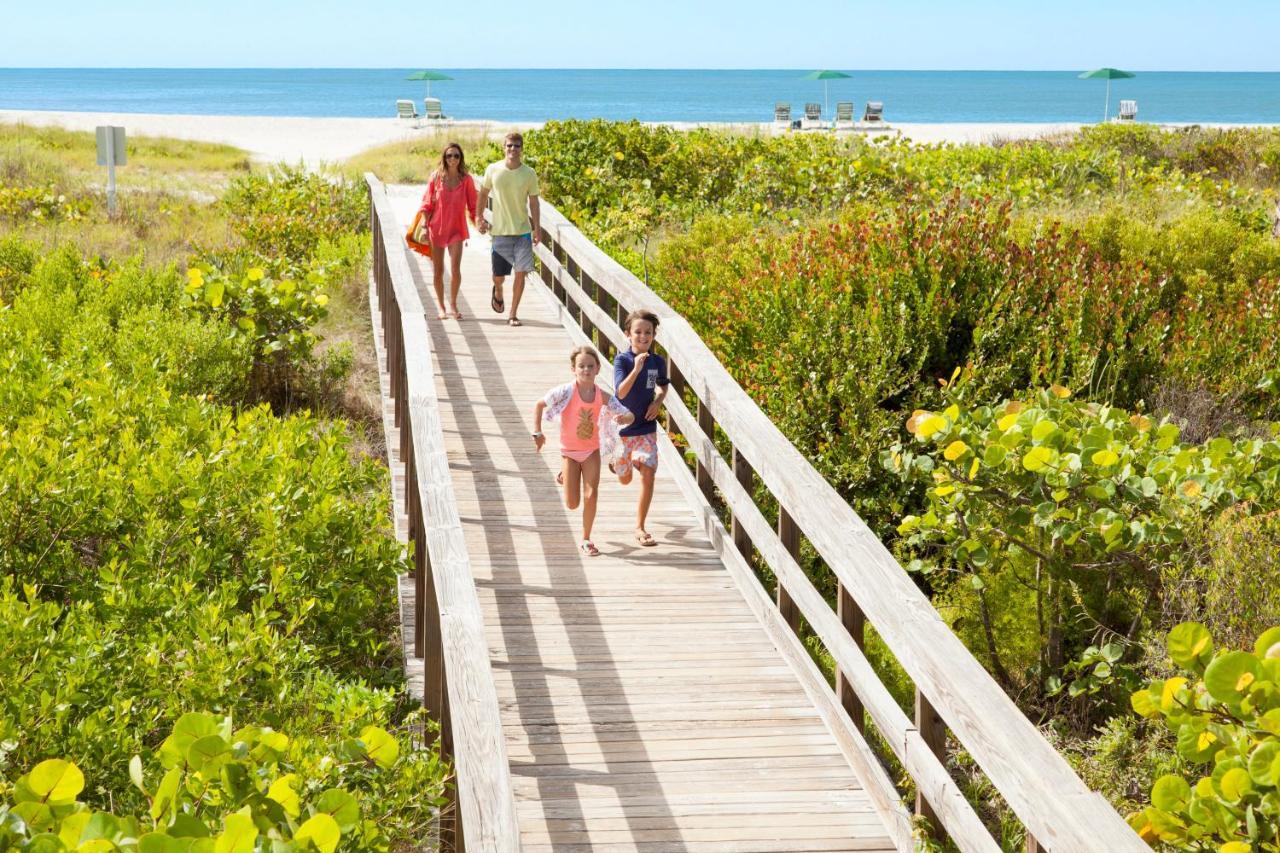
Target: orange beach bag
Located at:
point(418, 237)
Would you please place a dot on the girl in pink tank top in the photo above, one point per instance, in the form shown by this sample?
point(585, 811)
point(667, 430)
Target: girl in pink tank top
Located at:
point(589, 420)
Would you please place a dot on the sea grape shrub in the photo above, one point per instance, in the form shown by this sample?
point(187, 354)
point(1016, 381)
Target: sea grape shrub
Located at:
point(217, 790)
point(274, 315)
point(1085, 505)
point(1225, 715)
point(286, 212)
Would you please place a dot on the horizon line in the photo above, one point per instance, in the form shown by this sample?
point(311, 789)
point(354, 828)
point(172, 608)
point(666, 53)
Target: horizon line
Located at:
point(585, 68)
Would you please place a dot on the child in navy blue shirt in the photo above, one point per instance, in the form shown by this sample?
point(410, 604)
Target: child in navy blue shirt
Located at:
point(640, 383)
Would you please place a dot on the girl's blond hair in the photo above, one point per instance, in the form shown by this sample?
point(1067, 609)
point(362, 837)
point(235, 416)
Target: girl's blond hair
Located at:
point(582, 350)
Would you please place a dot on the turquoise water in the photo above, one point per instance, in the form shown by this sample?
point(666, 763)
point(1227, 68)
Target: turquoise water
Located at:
point(650, 95)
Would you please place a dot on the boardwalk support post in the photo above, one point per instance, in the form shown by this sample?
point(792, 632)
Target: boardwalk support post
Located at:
point(854, 622)
point(789, 533)
point(745, 476)
point(934, 733)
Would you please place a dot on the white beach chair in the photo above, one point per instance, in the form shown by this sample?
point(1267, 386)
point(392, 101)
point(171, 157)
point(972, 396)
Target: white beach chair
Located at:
point(844, 115)
point(1128, 111)
point(406, 110)
point(812, 117)
point(782, 116)
point(431, 107)
point(874, 113)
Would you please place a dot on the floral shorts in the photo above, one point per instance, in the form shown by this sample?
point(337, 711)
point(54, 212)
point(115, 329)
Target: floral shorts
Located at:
point(637, 449)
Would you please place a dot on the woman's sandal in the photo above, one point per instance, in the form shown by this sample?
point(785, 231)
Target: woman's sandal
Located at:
point(495, 301)
point(514, 321)
point(457, 315)
point(644, 539)
point(589, 549)
point(559, 478)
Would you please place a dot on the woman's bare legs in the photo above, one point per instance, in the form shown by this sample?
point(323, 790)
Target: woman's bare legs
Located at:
point(455, 277)
point(437, 281)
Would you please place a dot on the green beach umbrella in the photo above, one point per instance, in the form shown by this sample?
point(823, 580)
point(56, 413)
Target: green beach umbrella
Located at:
point(824, 76)
point(1107, 74)
point(428, 76)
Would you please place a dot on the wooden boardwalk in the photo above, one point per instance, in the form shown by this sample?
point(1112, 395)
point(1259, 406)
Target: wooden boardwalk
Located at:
point(645, 703)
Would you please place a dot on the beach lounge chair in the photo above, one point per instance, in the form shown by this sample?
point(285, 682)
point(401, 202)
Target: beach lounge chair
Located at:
point(431, 106)
point(1128, 111)
point(812, 117)
point(781, 116)
point(874, 113)
point(406, 110)
point(844, 115)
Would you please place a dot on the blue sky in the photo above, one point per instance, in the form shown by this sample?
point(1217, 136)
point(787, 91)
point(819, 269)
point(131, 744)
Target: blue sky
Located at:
point(846, 34)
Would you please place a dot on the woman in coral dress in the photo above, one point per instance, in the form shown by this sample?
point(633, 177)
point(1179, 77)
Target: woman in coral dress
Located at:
point(447, 205)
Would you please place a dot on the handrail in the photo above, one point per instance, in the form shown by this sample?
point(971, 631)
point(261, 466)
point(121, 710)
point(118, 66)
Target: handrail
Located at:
point(953, 690)
point(449, 634)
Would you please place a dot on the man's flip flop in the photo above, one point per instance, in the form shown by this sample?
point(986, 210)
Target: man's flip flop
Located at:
point(496, 302)
point(514, 321)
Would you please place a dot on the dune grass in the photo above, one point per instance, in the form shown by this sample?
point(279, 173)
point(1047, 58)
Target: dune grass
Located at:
point(68, 159)
point(410, 161)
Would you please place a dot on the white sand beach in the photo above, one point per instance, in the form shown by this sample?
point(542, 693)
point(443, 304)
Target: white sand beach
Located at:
point(313, 141)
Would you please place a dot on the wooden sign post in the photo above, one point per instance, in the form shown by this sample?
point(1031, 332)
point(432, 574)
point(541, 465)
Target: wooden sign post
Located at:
point(111, 153)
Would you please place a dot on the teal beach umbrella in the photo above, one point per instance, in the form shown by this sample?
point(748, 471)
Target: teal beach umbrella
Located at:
point(824, 76)
point(428, 76)
point(1107, 74)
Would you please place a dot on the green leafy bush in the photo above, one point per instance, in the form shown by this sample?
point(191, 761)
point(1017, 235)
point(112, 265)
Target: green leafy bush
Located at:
point(222, 790)
point(1226, 719)
point(1083, 504)
point(284, 214)
point(836, 328)
point(169, 553)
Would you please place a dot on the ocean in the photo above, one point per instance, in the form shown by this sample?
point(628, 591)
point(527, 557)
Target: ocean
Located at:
point(648, 95)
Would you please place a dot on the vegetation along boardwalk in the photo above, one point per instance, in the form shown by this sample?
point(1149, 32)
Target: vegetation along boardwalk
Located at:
point(659, 698)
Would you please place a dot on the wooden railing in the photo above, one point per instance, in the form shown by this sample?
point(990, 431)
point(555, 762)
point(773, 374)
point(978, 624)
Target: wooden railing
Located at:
point(952, 690)
point(448, 627)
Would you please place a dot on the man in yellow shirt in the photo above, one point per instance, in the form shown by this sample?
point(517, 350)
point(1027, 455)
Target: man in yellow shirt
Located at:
point(515, 221)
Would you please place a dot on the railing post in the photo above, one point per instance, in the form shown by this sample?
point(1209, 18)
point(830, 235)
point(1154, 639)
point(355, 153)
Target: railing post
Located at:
point(746, 477)
point(417, 541)
point(934, 733)
point(789, 534)
point(1032, 845)
point(677, 388)
point(707, 424)
point(853, 620)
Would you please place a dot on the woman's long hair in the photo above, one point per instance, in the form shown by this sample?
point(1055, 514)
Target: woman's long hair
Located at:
point(443, 168)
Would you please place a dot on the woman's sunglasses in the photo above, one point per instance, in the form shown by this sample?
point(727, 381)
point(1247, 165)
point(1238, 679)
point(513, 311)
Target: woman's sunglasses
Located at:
point(452, 155)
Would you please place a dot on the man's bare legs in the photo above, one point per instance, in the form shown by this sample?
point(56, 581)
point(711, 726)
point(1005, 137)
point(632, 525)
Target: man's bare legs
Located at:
point(517, 290)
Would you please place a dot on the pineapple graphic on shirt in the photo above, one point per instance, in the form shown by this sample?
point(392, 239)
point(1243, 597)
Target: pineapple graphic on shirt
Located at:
point(585, 427)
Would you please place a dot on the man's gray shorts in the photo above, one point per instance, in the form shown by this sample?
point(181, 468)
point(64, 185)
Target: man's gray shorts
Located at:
point(512, 252)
